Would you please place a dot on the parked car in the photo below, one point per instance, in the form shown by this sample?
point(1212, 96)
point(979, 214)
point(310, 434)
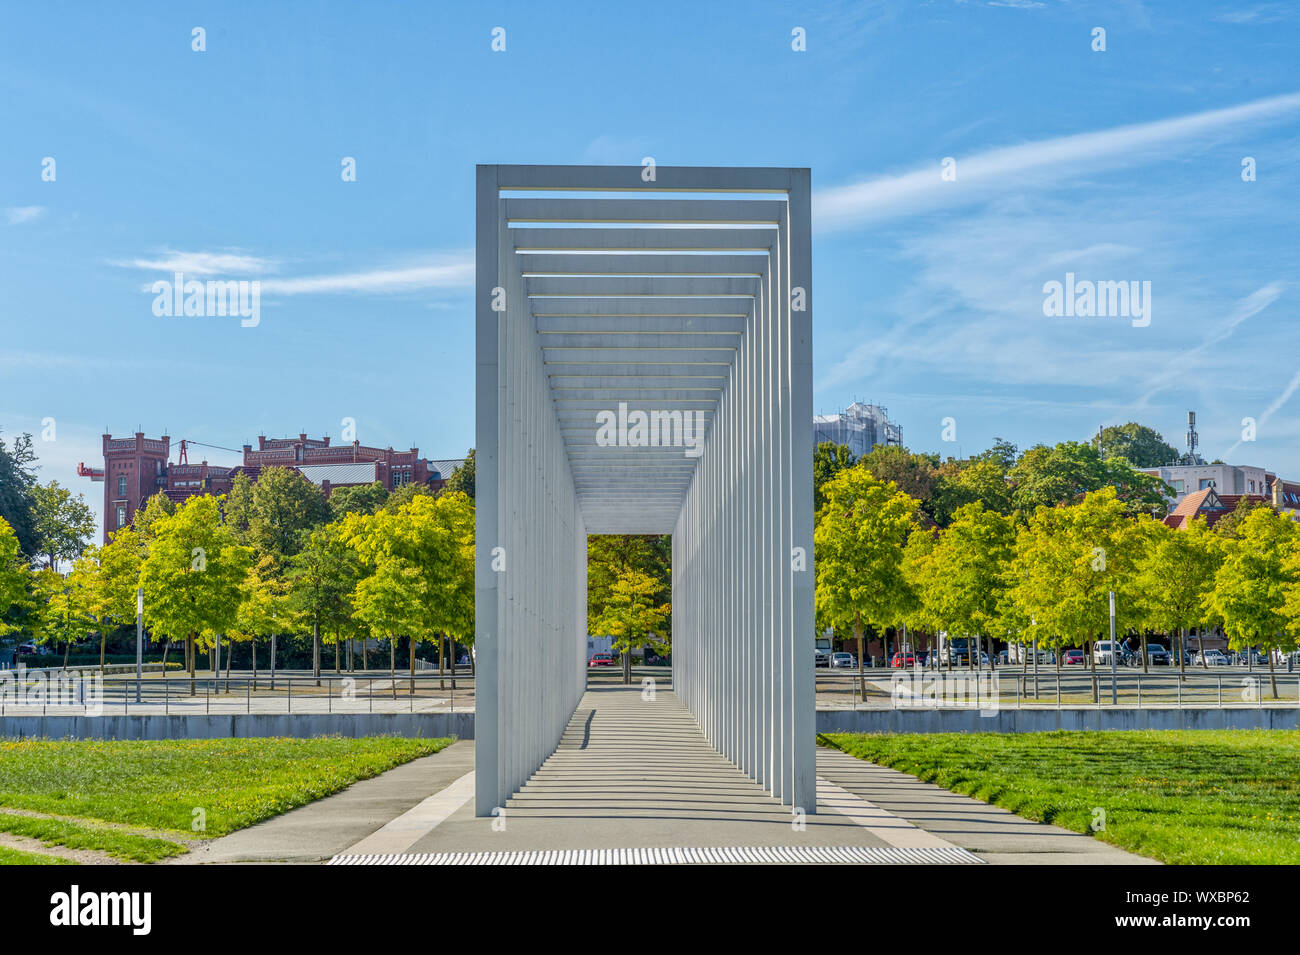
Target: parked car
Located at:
point(1072, 658)
point(27, 648)
point(902, 660)
point(1103, 650)
point(1156, 656)
point(843, 661)
point(955, 652)
point(1211, 658)
point(823, 658)
point(601, 660)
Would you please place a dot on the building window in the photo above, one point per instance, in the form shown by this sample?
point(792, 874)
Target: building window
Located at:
point(121, 515)
point(401, 477)
point(1178, 487)
point(121, 487)
point(1206, 482)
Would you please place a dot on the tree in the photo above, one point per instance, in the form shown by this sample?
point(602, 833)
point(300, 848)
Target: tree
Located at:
point(12, 578)
point(405, 494)
point(860, 534)
point(1252, 585)
point(64, 524)
point(1066, 560)
point(462, 479)
point(286, 507)
point(238, 507)
point(1175, 575)
point(193, 574)
point(157, 507)
point(633, 615)
point(322, 576)
point(1139, 445)
point(916, 475)
point(981, 479)
point(829, 459)
point(120, 562)
point(17, 481)
point(1229, 525)
point(357, 499)
point(1047, 476)
point(613, 556)
point(966, 573)
point(264, 608)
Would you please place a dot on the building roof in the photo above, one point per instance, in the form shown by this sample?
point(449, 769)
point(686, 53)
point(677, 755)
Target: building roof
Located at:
point(363, 472)
point(445, 467)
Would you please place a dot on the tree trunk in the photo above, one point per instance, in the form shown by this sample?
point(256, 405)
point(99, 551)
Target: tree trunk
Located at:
point(1272, 676)
point(189, 641)
point(252, 647)
point(451, 642)
point(365, 654)
point(315, 651)
point(67, 648)
point(442, 650)
point(166, 646)
point(392, 665)
point(412, 657)
point(1144, 653)
point(338, 666)
point(1200, 642)
point(273, 661)
point(103, 642)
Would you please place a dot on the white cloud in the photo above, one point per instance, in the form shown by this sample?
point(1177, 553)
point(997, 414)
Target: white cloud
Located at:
point(455, 272)
point(1012, 168)
point(202, 263)
point(18, 215)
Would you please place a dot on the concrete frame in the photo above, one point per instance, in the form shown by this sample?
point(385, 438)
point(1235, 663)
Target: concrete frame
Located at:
point(694, 302)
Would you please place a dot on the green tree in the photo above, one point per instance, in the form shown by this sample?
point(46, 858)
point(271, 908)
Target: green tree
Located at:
point(64, 523)
point(1229, 525)
point(1139, 445)
point(860, 535)
point(967, 570)
point(1066, 561)
point(114, 595)
point(17, 482)
point(916, 475)
point(238, 508)
point(286, 508)
point(264, 607)
point(613, 556)
point(960, 483)
point(358, 499)
point(405, 494)
point(1253, 583)
point(322, 576)
point(634, 616)
point(829, 459)
point(1047, 476)
point(462, 479)
point(1175, 575)
point(193, 574)
point(157, 507)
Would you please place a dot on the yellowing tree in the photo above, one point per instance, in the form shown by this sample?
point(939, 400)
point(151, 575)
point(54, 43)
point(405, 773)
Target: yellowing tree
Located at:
point(633, 616)
point(861, 531)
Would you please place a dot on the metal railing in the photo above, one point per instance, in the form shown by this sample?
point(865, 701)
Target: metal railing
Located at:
point(1227, 687)
point(373, 691)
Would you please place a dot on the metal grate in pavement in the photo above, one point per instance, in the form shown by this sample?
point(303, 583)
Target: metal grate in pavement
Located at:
point(727, 855)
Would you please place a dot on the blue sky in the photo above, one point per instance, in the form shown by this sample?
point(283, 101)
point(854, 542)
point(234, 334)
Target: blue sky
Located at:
point(1117, 165)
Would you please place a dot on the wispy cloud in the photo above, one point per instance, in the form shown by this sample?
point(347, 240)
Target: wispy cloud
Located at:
point(18, 215)
point(425, 271)
point(449, 273)
point(1260, 13)
point(1013, 167)
point(202, 263)
point(1274, 406)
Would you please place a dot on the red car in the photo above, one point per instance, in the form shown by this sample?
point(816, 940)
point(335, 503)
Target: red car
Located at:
point(1072, 657)
point(601, 660)
point(902, 660)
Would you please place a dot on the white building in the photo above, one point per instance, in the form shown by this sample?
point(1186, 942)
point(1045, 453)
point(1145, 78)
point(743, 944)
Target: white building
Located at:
point(860, 427)
point(1224, 478)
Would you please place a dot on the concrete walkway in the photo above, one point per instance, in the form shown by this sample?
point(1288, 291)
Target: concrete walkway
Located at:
point(634, 780)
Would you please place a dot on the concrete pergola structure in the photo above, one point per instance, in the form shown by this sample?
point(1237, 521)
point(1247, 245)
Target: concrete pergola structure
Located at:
point(686, 293)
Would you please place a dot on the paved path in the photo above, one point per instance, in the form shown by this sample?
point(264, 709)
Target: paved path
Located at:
point(635, 779)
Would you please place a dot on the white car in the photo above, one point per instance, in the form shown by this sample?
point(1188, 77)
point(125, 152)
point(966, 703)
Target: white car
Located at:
point(1212, 658)
point(1102, 651)
point(843, 661)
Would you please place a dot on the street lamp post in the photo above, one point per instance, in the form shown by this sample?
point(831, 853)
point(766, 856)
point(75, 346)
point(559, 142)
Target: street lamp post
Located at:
point(139, 640)
point(1114, 652)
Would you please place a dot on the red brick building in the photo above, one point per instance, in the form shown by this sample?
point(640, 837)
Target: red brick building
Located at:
point(137, 468)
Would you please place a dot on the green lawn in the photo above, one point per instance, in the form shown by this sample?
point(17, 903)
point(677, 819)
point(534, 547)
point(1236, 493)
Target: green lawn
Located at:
point(1180, 796)
point(18, 857)
point(165, 786)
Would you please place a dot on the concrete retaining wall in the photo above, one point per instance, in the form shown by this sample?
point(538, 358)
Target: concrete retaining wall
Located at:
point(214, 726)
point(1042, 721)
